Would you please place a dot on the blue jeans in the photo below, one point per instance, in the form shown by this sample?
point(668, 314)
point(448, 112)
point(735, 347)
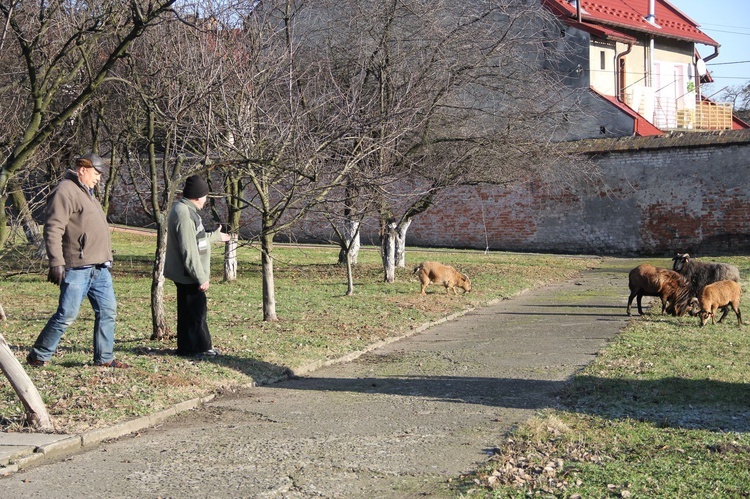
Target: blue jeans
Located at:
point(96, 283)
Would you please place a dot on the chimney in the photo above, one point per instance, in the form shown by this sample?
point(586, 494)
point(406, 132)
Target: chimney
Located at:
point(651, 17)
point(577, 5)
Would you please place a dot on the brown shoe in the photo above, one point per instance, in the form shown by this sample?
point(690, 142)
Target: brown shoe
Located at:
point(34, 362)
point(113, 363)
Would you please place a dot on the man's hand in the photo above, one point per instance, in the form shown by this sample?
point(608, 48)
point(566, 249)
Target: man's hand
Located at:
point(56, 274)
point(224, 237)
point(204, 287)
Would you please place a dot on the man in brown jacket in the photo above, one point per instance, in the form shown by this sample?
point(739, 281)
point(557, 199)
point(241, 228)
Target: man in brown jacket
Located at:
point(79, 248)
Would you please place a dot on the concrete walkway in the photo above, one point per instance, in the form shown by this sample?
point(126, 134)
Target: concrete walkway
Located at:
point(399, 421)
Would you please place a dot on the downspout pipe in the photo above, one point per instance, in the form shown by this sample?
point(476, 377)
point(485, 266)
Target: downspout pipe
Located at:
point(714, 55)
point(618, 90)
point(651, 51)
point(698, 77)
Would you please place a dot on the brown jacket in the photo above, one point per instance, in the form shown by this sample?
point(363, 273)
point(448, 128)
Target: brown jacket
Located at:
point(76, 231)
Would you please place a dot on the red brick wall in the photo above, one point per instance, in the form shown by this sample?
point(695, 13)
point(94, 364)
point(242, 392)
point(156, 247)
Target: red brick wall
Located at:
point(688, 192)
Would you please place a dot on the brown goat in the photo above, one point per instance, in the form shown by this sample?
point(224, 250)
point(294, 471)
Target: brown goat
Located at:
point(721, 294)
point(647, 280)
point(442, 274)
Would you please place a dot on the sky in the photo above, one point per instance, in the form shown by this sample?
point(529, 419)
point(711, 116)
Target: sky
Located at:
point(727, 22)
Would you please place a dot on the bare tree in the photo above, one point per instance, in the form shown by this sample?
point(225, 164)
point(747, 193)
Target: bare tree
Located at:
point(739, 96)
point(281, 119)
point(464, 85)
point(171, 73)
point(59, 53)
point(359, 203)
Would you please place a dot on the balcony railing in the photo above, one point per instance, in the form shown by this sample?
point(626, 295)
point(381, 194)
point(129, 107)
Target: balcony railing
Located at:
point(680, 114)
point(706, 116)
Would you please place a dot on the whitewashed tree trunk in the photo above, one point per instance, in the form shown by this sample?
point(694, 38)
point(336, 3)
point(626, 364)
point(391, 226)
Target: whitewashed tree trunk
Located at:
point(400, 241)
point(230, 258)
point(352, 240)
point(36, 412)
point(269, 289)
point(389, 252)
point(349, 278)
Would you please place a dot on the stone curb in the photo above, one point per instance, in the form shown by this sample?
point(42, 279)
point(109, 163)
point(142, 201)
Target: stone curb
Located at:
point(84, 441)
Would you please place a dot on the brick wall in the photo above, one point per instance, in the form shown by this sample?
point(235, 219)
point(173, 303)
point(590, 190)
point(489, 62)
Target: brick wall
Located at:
point(653, 195)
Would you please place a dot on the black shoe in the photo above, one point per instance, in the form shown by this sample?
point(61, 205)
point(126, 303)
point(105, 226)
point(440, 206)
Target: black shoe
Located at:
point(34, 362)
point(207, 354)
point(113, 363)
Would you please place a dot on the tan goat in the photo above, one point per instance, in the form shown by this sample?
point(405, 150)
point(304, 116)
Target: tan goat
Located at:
point(715, 296)
point(442, 274)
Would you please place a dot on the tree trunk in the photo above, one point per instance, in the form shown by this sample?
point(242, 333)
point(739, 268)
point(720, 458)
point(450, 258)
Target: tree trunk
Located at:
point(4, 227)
point(349, 276)
point(269, 290)
point(36, 412)
point(350, 246)
point(230, 259)
point(111, 180)
point(158, 317)
point(389, 251)
point(2, 313)
point(31, 228)
point(233, 189)
point(400, 241)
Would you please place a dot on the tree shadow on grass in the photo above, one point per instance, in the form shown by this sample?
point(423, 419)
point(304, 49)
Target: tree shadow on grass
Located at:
point(667, 402)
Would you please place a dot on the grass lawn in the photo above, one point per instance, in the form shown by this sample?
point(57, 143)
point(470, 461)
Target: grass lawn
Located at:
point(664, 411)
point(317, 322)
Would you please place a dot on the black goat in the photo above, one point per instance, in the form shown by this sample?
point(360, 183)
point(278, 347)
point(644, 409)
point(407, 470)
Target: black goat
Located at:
point(699, 274)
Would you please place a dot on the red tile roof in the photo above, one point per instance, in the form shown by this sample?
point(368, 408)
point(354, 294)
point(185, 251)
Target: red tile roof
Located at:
point(641, 126)
point(600, 31)
point(631, 14)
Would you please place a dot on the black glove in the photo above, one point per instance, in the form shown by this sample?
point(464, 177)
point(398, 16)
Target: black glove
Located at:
point(56, 274)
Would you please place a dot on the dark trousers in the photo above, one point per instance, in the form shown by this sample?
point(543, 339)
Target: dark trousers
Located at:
point(192, 330)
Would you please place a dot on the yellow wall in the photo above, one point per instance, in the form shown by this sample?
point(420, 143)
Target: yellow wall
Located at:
point(602, 79)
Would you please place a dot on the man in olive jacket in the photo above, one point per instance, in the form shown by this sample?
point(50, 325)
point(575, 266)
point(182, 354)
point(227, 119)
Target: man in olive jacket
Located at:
point(188, 264)
point(76, 234)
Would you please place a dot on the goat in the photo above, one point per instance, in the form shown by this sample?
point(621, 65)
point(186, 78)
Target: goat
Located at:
point(699, 274)
point(720, 294)
point(442, 274)
point(647, 280)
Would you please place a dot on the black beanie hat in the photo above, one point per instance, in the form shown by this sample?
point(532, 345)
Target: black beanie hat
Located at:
point(195, 187)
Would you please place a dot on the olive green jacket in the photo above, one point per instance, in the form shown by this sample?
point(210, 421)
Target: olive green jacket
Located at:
point(188, 258)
